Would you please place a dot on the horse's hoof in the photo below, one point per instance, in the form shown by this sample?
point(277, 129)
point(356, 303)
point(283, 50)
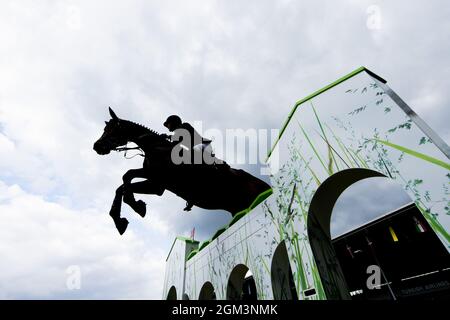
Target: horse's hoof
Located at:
point(141, 208)
point(121, 225)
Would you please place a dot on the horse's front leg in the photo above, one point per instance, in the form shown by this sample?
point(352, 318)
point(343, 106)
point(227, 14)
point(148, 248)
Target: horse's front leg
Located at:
point(128, 194)
point(121, 223)
point(134, 173)
point(142, 187)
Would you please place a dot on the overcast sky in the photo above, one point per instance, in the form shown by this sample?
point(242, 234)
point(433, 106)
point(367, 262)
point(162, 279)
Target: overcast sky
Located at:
point(231, 64)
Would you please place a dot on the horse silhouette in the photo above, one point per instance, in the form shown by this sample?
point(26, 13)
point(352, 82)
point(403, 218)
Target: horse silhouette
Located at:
point(208, 186)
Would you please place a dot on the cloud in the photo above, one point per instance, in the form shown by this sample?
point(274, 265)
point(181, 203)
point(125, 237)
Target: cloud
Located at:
point(40, 240)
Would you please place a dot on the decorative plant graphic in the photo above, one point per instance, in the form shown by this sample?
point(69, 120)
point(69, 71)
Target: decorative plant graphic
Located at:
point(366, 129)
point(307, 165)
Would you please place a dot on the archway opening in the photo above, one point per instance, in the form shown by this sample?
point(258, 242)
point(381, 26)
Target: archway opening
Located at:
point(207, 292)
point(377, 245)
point(185, 296)
point(172, 295)
point(283, 284)
point(241, 284)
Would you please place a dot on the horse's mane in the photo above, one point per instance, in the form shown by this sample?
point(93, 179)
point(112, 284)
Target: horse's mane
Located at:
point(137, 126)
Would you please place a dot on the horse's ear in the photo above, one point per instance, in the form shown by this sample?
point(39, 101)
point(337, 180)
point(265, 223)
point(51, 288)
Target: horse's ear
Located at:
point(113, 115)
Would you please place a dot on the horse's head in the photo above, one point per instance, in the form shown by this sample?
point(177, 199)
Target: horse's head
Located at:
point(113, 135)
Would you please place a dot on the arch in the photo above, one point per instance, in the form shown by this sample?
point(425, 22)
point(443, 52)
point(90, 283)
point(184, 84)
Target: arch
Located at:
point(318, 225)
point(172, 295)
point(207, 292)
point(366, 201)
point(185, 296)
point(241, 284)
point(283, 285)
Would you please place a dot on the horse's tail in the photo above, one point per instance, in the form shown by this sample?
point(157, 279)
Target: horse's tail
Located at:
point(254, 185)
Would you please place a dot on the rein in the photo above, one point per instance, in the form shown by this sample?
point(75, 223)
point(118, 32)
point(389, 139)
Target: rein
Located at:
point(125, 149)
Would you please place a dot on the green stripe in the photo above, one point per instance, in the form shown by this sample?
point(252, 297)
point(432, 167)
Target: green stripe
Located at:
point(331, 158)
point(193, 253)
point(315, 94)
point(203, 245)
point(260, 198)
point(188, 240)
point(437, 227)
point(341, 146)
point(313, 148)
point(218, 233)
point(309, 168)
point(416, 154)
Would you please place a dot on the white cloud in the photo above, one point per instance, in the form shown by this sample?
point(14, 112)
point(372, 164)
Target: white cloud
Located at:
point(41, 239)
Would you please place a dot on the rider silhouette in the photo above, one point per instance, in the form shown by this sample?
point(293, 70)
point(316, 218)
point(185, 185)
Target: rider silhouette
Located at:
point(196, 143)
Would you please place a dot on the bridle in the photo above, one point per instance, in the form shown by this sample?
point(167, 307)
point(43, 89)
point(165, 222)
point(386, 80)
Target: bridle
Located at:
point(115, 139)
point(125, 149)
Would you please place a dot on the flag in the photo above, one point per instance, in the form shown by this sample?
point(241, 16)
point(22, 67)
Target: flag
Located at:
point(394, 236)
point(419, 225)
point(349, 249)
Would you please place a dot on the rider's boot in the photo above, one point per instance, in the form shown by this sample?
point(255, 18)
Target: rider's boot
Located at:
point(189, 206)
point(140, 207)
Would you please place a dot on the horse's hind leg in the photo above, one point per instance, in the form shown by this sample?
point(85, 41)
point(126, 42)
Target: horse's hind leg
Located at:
point(121, 223)
point(142, 187)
